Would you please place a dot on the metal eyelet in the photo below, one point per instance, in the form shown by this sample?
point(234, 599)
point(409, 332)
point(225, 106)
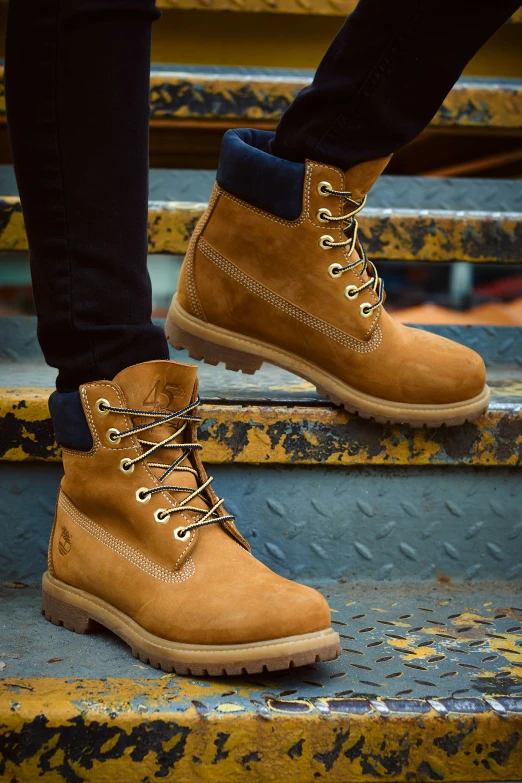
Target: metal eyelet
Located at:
point(365, 309)
point(334, 270)
point(180, 534)
point(143, 495)
point(348, 292)
point(113, 436)
point(321, 213)
point(127, 466)
point(98, 405)
point(323, 242)
point(161, 516)
point(323, 188)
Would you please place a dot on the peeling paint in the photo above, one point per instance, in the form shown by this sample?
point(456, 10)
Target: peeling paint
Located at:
point(56, 733)
point(403, 235)
point(276, 434)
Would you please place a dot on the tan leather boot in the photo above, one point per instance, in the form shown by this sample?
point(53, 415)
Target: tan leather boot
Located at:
point(275, 272)
point(143, 546)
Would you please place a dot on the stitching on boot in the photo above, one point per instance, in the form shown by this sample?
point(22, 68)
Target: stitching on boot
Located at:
point(190, 276)
point(282, 304)
point(99, 444)
point(134, 556)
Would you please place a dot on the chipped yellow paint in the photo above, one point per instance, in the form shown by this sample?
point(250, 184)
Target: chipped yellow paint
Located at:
point(171, 225)
point(298, 739)
point(276, 434)
point(469, 626)
point(230, 707)
point(12, 232)
point(404, 236)
point(317, 7)
point(16, 401)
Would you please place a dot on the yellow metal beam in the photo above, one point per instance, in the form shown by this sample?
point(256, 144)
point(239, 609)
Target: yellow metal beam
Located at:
point(124, 730)
point(402, 235)
point(300, 435)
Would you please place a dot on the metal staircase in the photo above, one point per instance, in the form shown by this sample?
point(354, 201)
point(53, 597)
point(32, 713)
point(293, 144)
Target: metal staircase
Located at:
point(414, 536)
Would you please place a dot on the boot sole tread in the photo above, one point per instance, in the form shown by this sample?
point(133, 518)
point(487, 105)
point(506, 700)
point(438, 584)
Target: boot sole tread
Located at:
point(81, 612)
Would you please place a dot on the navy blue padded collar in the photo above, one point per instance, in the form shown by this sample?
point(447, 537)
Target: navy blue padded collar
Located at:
point(248, 170)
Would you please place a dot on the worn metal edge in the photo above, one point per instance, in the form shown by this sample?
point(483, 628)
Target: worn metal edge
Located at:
point(256, 95)
point(293, 435)
point(253, 95)
point(403, 235)
point(307, 7)
point(65, 730)
point(316, 8)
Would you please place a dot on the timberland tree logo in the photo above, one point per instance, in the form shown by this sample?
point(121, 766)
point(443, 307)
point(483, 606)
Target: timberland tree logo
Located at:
point(162, 395)
point(64, 544)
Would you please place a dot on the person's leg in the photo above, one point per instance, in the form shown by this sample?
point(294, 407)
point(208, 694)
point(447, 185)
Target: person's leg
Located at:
point(138, 530)
point(384, 77)
point(292, 284)
point(77, 91)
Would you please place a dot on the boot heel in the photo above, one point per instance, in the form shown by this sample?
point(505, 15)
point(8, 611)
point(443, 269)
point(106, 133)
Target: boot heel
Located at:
point(211, 353)
point(60, 613)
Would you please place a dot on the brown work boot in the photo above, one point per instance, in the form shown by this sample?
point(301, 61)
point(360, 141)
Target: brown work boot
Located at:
point(143, 546)
point(275, 272)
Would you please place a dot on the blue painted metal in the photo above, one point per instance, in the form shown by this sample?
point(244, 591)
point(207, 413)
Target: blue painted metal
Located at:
point(498, 345)
point(319, 524)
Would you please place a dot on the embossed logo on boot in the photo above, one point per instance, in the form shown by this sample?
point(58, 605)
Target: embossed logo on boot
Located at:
point(64, 544)
point(167, 392)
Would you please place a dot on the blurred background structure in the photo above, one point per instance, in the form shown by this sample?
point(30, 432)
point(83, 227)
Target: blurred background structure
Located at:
point(453, 195)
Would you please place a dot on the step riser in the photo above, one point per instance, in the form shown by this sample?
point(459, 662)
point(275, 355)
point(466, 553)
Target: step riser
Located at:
point(191, 93)
point(387, 235)
point(179, 745)
point(317, 524)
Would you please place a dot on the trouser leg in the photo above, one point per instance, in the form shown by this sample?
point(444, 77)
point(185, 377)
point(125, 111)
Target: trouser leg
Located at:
point(384, 77)
point(77, 88)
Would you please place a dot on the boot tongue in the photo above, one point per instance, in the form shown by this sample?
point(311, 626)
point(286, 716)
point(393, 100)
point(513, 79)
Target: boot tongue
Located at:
point(162, 387)
point(361, 178)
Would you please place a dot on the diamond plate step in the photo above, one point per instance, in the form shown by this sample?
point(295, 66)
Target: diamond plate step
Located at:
point(317, 7)
point(409, 218)
point(274, 417)
point(428, 687)
point(242, 94)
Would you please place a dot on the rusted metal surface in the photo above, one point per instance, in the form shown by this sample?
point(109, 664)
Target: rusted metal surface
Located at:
point(315, 8)
point(300, 435)
point(253, 94)
point(257, 94)
point(427, 687)
point(310, 7)
point(402, 234)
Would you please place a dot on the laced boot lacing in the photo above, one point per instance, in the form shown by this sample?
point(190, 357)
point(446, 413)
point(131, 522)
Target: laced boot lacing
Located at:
point(144, 494)
point(352, 242)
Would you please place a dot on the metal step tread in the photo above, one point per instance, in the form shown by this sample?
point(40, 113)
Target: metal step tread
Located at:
point(323, 7)
point(408, 218)
point(428, 686)
point(185, 93)
point(277, 418)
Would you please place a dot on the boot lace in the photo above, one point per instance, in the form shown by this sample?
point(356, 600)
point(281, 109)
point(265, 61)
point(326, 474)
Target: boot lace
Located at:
point(353, 243)
point(144, 494)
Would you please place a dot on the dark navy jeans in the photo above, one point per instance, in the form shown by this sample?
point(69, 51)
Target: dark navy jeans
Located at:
point(384, 77)
point(77, 90)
